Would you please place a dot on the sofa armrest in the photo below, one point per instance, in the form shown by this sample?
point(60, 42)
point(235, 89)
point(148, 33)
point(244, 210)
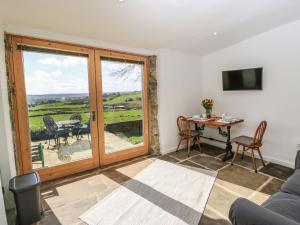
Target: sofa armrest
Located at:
point(297, 160)
point(244, 212)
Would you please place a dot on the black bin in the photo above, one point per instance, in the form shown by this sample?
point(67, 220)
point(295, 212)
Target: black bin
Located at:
point(26, 189)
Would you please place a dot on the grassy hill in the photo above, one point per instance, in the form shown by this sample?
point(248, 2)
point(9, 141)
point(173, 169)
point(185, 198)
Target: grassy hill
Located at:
point(131, 98)
point(63, 110)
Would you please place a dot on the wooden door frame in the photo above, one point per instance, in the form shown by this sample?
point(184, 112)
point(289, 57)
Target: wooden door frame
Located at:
point(19, 105)
point(106, 159)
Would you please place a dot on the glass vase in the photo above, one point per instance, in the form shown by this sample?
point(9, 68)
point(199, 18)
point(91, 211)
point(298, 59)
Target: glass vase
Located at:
point(208, 113)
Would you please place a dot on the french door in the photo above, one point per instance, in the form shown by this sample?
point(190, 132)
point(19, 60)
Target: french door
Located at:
point(74, 107)
point(123, 107)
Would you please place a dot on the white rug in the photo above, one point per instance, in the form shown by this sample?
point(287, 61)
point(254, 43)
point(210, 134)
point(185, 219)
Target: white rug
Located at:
point(163, 193)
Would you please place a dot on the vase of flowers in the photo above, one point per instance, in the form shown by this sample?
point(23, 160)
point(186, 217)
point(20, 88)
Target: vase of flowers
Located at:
point(208, 105)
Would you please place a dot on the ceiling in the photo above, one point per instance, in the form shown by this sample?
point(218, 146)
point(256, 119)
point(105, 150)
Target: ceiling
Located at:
point(185, 25)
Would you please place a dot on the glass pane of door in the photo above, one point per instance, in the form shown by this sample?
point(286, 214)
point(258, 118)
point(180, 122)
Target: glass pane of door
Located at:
point(57, 89)
point(122, 93)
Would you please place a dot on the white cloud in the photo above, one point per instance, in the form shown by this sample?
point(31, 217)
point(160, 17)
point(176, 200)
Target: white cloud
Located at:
point(41, 82)
point(63, 61)
point(40, 73)
point(50, 61)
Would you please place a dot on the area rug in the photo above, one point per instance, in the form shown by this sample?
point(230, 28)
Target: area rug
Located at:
point(162, 193)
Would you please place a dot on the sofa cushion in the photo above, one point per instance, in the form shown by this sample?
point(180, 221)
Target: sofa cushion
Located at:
point(292, 185)
point(284, 204)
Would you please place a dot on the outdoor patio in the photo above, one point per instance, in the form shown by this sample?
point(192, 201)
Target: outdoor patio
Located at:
point(76, 149)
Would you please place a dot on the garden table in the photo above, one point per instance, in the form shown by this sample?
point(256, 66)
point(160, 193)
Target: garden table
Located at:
point(68, 123)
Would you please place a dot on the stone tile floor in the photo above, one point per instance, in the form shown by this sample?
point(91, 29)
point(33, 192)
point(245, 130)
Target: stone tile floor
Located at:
point(65, 199)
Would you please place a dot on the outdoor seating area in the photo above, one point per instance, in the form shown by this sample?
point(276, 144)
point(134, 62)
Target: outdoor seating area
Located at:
point(64, 141)
point(69, 140)
point(53, 155)
point(63, 129)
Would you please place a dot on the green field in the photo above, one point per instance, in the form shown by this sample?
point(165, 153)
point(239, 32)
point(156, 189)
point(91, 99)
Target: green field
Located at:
point(63, 110)
point(122, 98)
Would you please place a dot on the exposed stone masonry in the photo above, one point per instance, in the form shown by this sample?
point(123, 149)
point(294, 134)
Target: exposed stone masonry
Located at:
point(153, 107)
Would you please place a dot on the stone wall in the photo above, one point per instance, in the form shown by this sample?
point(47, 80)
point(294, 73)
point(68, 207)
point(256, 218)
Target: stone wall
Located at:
point(11, 93)
point(128, 128)
point(153, 107)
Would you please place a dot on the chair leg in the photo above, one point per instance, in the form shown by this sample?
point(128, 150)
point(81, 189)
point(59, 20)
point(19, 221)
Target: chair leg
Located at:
point(235, 154)
point(261, 158)
point(178, 145)
point(199, 143)
point(243, 153)
point(189, 146)
point(253, 160)
point(58, 143)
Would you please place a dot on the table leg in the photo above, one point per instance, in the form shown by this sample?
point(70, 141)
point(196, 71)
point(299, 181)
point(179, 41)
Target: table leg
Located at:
point(229, 153)
point(195, 146)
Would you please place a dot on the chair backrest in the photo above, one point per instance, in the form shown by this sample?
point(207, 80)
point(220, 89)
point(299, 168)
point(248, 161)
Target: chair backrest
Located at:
point(184, 126)
point(259, 134)
point(76, 116)
point(50, 124)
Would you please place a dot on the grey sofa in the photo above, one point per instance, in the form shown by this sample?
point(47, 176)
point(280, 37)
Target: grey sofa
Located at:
point(282, 208)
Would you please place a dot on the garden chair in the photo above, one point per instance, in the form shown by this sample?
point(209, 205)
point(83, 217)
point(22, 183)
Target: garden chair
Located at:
point(76, 116)
point(84, 129)
point(55, 132)
point(38, 154)
point(80, 129)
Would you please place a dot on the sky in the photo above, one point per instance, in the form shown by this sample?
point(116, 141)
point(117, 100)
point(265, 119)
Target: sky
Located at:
point(60, 74)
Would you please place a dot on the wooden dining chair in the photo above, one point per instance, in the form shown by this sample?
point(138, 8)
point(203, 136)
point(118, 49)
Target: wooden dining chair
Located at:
point(186, 133)
point(251, 143)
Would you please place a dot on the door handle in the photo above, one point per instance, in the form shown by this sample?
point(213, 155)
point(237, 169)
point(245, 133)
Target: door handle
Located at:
point(93, 116)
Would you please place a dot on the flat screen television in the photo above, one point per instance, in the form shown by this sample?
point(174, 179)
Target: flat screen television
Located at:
point(245, 79)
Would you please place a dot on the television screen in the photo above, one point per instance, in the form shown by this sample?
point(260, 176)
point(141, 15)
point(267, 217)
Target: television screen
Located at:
point(246, 79)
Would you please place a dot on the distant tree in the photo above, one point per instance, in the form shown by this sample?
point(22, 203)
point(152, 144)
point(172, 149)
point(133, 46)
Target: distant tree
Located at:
point(124, 71)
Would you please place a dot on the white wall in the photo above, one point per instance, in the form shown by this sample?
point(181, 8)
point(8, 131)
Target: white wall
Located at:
point(6, 150)
point(278, 52)
point(179, 93)
point(7, 161)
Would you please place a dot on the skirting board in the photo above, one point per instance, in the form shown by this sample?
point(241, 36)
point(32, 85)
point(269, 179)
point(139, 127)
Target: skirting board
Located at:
point(173, 149)
point(266, 157)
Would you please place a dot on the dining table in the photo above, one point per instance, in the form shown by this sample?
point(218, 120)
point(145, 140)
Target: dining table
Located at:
point(223, 128)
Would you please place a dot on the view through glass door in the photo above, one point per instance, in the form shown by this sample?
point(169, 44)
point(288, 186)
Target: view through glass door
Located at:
point(55, 107)
point(57, 91)
point(124, 106)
